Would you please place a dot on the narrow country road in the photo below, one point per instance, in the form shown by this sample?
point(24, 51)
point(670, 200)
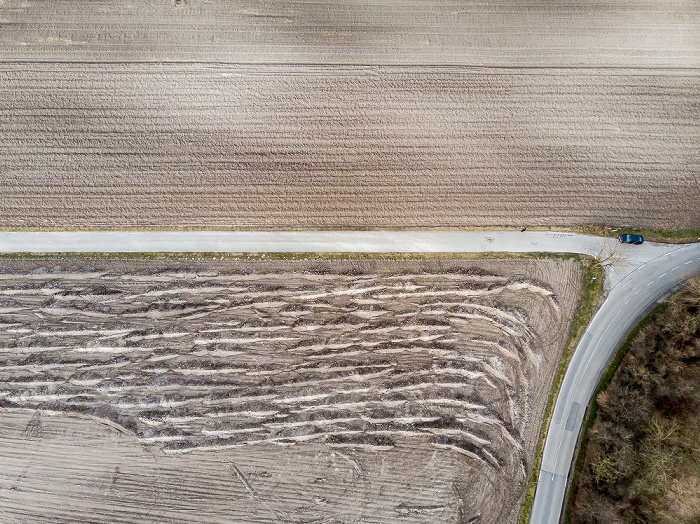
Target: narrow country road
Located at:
point(329, 241)
point(627, 303)
point(640, 278)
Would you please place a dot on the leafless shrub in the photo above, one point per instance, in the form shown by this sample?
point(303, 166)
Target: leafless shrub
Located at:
point(648, 422)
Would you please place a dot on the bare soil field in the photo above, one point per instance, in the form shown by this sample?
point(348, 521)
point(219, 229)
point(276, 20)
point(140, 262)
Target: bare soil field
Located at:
point(346, 113)
point(296, 146)
point(648, 33)
point(286, 391)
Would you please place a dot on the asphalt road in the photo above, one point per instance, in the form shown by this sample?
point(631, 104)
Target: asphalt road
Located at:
point(641, 277)
point(627, 303)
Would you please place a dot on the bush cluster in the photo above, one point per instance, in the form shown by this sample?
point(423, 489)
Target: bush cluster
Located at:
point(642, 462)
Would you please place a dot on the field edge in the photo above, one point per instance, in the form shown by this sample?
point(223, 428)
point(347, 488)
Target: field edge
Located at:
point(592, 278)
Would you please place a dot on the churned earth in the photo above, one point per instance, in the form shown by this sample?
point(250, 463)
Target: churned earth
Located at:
point(275, 391)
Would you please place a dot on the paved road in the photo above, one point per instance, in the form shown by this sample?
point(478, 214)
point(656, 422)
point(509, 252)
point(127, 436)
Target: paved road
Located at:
point(326, 241)
point(627, 303)
point(299, 241)
point(644, 275)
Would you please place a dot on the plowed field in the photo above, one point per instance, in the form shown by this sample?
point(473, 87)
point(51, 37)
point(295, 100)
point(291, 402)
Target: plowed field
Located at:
point(275, 391)
point(654, 33)
point(349, 114)
point(301, 146)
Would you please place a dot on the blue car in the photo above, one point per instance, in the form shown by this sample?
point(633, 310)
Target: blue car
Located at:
point(626, 238)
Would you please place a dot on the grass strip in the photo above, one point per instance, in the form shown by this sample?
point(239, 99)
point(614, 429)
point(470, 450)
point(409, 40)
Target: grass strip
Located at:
point(288, 256)
point(255, 229)
point(592, 277)
point(682, 236)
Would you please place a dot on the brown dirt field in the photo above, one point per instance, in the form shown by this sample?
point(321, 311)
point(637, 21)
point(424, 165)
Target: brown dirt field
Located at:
point(343, 113)
point(293, 146)
point(645, 33)
point(287, 391)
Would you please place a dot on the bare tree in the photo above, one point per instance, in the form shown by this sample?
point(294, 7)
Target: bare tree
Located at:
point(608, 254)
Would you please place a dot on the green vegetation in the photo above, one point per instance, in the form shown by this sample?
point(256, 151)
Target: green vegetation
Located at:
point(654, 235)
point(592, 276)
point(640, 454)
point(293, 256)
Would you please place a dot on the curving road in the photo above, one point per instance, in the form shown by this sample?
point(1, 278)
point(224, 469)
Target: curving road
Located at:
point(641, 277)
point(627, 303)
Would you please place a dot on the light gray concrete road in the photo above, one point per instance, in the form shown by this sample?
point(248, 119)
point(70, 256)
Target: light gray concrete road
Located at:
point(329, 241)
point(296, 241)
point(641, 276)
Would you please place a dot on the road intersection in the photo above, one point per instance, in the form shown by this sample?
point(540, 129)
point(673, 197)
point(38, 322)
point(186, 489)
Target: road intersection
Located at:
point(640, 278)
